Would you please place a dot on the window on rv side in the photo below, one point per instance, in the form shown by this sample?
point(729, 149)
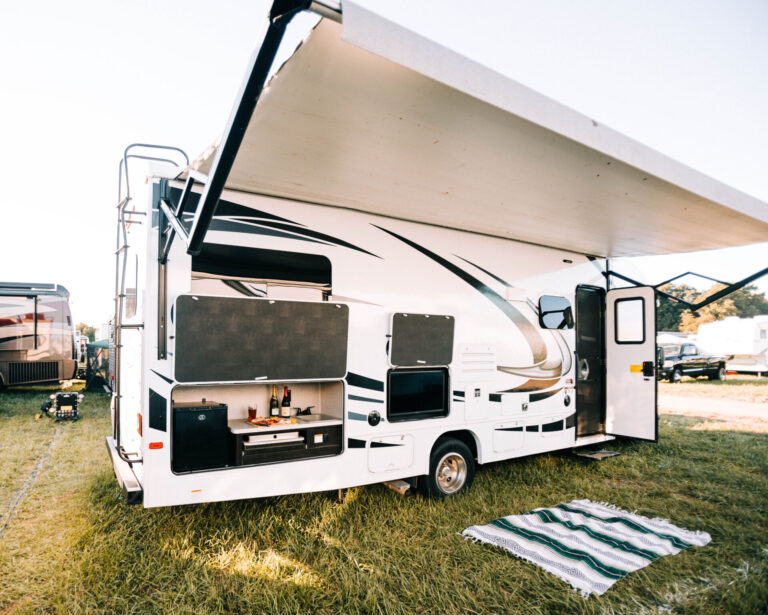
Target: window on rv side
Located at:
point(629, 321)
point(555, 312)
point(414, 394)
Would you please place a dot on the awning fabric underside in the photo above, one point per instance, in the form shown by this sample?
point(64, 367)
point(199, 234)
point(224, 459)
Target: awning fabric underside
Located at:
point(339, 125)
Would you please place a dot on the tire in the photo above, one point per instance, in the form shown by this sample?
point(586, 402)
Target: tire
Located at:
point(719, 374)
point(451, 470)
point(677, 375)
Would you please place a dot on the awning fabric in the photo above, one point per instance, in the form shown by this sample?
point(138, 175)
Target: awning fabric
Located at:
point(468, 148)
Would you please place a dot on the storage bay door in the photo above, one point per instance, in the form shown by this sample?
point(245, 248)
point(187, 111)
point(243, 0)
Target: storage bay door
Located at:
point(630, 352)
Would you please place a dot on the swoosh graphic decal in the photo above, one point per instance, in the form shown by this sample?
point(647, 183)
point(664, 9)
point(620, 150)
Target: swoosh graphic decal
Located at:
point(564, 350)
point(252, 228)
point(531, 333)
point(315, 235)
point(533, 385)
point(250, 217)
point(535, 372)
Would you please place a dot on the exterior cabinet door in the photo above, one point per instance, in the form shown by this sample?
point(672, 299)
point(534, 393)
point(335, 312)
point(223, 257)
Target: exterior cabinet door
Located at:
point(630, 344)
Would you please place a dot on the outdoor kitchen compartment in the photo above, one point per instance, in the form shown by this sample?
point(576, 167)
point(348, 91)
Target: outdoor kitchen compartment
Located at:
point(200, 436)
point(252, 446)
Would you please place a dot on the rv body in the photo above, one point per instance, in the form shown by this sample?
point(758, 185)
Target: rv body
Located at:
point(413, 242)
point(743, 340)
point(507, 386)
point(37, 339)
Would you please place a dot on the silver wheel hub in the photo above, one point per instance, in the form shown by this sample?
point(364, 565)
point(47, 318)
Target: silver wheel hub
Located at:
point(451, 473)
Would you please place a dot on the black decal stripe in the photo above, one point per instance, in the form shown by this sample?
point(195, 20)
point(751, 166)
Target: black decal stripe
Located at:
point(542, 396)
point(370, 399)
point(529, 331)
point(363, 382)
point(458, 393)
point(554, 426)
point(356, 416)
point(509, 429)
point(532, 428)
point(570, 421)
point(458, 400)
point(168, 380)
point(494, 397)
point(486, 272)
point(241, 288)
point(230, 226)
point(354, 443)
point(383, 444)
point(316, 235)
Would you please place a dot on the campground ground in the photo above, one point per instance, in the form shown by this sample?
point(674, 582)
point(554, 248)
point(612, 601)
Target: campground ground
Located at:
point(69, 543)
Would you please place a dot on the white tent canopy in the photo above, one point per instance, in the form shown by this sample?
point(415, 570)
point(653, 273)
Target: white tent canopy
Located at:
point(413, 130)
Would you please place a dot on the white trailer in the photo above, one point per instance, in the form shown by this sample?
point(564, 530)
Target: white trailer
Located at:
point(743, 340)
point(416, 258)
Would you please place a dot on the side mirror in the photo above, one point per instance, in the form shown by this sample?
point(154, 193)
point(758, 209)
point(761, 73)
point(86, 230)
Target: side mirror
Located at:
point(555, 312)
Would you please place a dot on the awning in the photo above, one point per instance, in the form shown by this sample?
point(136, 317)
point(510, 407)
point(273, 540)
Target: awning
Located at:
point(416, 131)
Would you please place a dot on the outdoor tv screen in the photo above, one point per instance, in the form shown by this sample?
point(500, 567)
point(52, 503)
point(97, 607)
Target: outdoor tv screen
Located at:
point(415, 394)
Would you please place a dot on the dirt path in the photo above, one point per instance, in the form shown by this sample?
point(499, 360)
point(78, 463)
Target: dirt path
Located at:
point(729, 414)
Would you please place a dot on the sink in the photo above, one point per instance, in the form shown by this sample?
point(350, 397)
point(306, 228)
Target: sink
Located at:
point(311, 418)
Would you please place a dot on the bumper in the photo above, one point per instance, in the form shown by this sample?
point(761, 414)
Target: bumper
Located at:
point(134, 493)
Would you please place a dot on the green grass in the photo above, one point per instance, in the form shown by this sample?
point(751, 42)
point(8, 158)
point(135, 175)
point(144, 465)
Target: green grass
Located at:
point(741, 387)
point(74, 546)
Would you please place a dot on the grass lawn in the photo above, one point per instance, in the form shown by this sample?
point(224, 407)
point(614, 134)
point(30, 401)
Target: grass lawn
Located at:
point(741, 387)
point(74, 546)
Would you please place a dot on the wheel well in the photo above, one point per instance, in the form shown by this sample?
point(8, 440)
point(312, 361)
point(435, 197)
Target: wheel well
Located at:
point(463, 435)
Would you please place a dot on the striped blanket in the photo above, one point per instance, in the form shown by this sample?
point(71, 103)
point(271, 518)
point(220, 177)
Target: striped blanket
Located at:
point(589, 545)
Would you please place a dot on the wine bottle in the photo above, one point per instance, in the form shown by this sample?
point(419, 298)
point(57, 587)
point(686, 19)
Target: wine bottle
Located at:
point(273, 405)
point(285, 406)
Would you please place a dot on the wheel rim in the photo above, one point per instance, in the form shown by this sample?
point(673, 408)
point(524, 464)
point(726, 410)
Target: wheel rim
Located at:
point(721, 373)
point(451, 473)
point(677, 376)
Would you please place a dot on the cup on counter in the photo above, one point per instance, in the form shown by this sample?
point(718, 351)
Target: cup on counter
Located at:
point(253, 412)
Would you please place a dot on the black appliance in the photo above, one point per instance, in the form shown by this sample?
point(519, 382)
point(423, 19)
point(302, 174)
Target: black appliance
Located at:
point(200, 436)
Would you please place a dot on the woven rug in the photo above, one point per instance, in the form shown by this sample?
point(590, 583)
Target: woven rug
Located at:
point(589, 545)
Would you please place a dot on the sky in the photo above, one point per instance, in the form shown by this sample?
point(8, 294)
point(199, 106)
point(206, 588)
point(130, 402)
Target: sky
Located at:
point(81, 80)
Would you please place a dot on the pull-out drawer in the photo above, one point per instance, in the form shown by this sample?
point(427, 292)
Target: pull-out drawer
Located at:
point(289, 446)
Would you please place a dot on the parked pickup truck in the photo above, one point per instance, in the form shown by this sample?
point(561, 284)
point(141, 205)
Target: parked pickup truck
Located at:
point(678, 360)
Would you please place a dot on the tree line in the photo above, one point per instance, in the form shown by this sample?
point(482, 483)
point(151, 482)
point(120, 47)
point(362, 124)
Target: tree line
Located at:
point(674, 316)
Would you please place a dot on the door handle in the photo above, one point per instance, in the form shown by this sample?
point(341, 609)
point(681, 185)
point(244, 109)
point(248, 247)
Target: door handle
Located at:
point(583, 372)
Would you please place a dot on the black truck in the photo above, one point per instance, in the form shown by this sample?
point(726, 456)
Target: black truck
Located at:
point(685, 359)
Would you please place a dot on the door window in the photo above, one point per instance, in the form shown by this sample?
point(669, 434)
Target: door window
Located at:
point(630, 321)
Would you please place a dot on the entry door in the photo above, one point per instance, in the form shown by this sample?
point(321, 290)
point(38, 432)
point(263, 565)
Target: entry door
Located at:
point(630, 332)
point(590, 349)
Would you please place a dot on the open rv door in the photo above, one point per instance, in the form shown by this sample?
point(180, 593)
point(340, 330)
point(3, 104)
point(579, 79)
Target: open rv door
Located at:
point(630, 353)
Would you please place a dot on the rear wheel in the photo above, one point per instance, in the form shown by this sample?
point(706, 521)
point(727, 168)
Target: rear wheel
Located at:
point(451, 469)
point(677, 375)
point(719, 374)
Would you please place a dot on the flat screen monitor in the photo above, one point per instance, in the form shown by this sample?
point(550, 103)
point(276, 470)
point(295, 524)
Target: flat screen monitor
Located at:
point(417, 394)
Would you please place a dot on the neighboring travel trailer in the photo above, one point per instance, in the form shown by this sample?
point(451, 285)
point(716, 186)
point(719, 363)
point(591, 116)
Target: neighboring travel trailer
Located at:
point(37, 339)
point(419, 261)
point(745, 340)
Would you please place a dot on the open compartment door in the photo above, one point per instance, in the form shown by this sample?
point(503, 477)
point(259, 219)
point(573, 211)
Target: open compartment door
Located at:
point(630, 351)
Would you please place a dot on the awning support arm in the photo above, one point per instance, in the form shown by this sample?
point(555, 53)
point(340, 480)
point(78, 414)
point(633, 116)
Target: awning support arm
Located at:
point(693, 306)
point(280, 16)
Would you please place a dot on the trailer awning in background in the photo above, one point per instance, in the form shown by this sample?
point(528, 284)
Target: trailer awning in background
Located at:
point(430, 136)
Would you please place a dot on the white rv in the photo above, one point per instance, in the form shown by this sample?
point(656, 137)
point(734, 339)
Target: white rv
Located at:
point(418, 259)
point(744, 340)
